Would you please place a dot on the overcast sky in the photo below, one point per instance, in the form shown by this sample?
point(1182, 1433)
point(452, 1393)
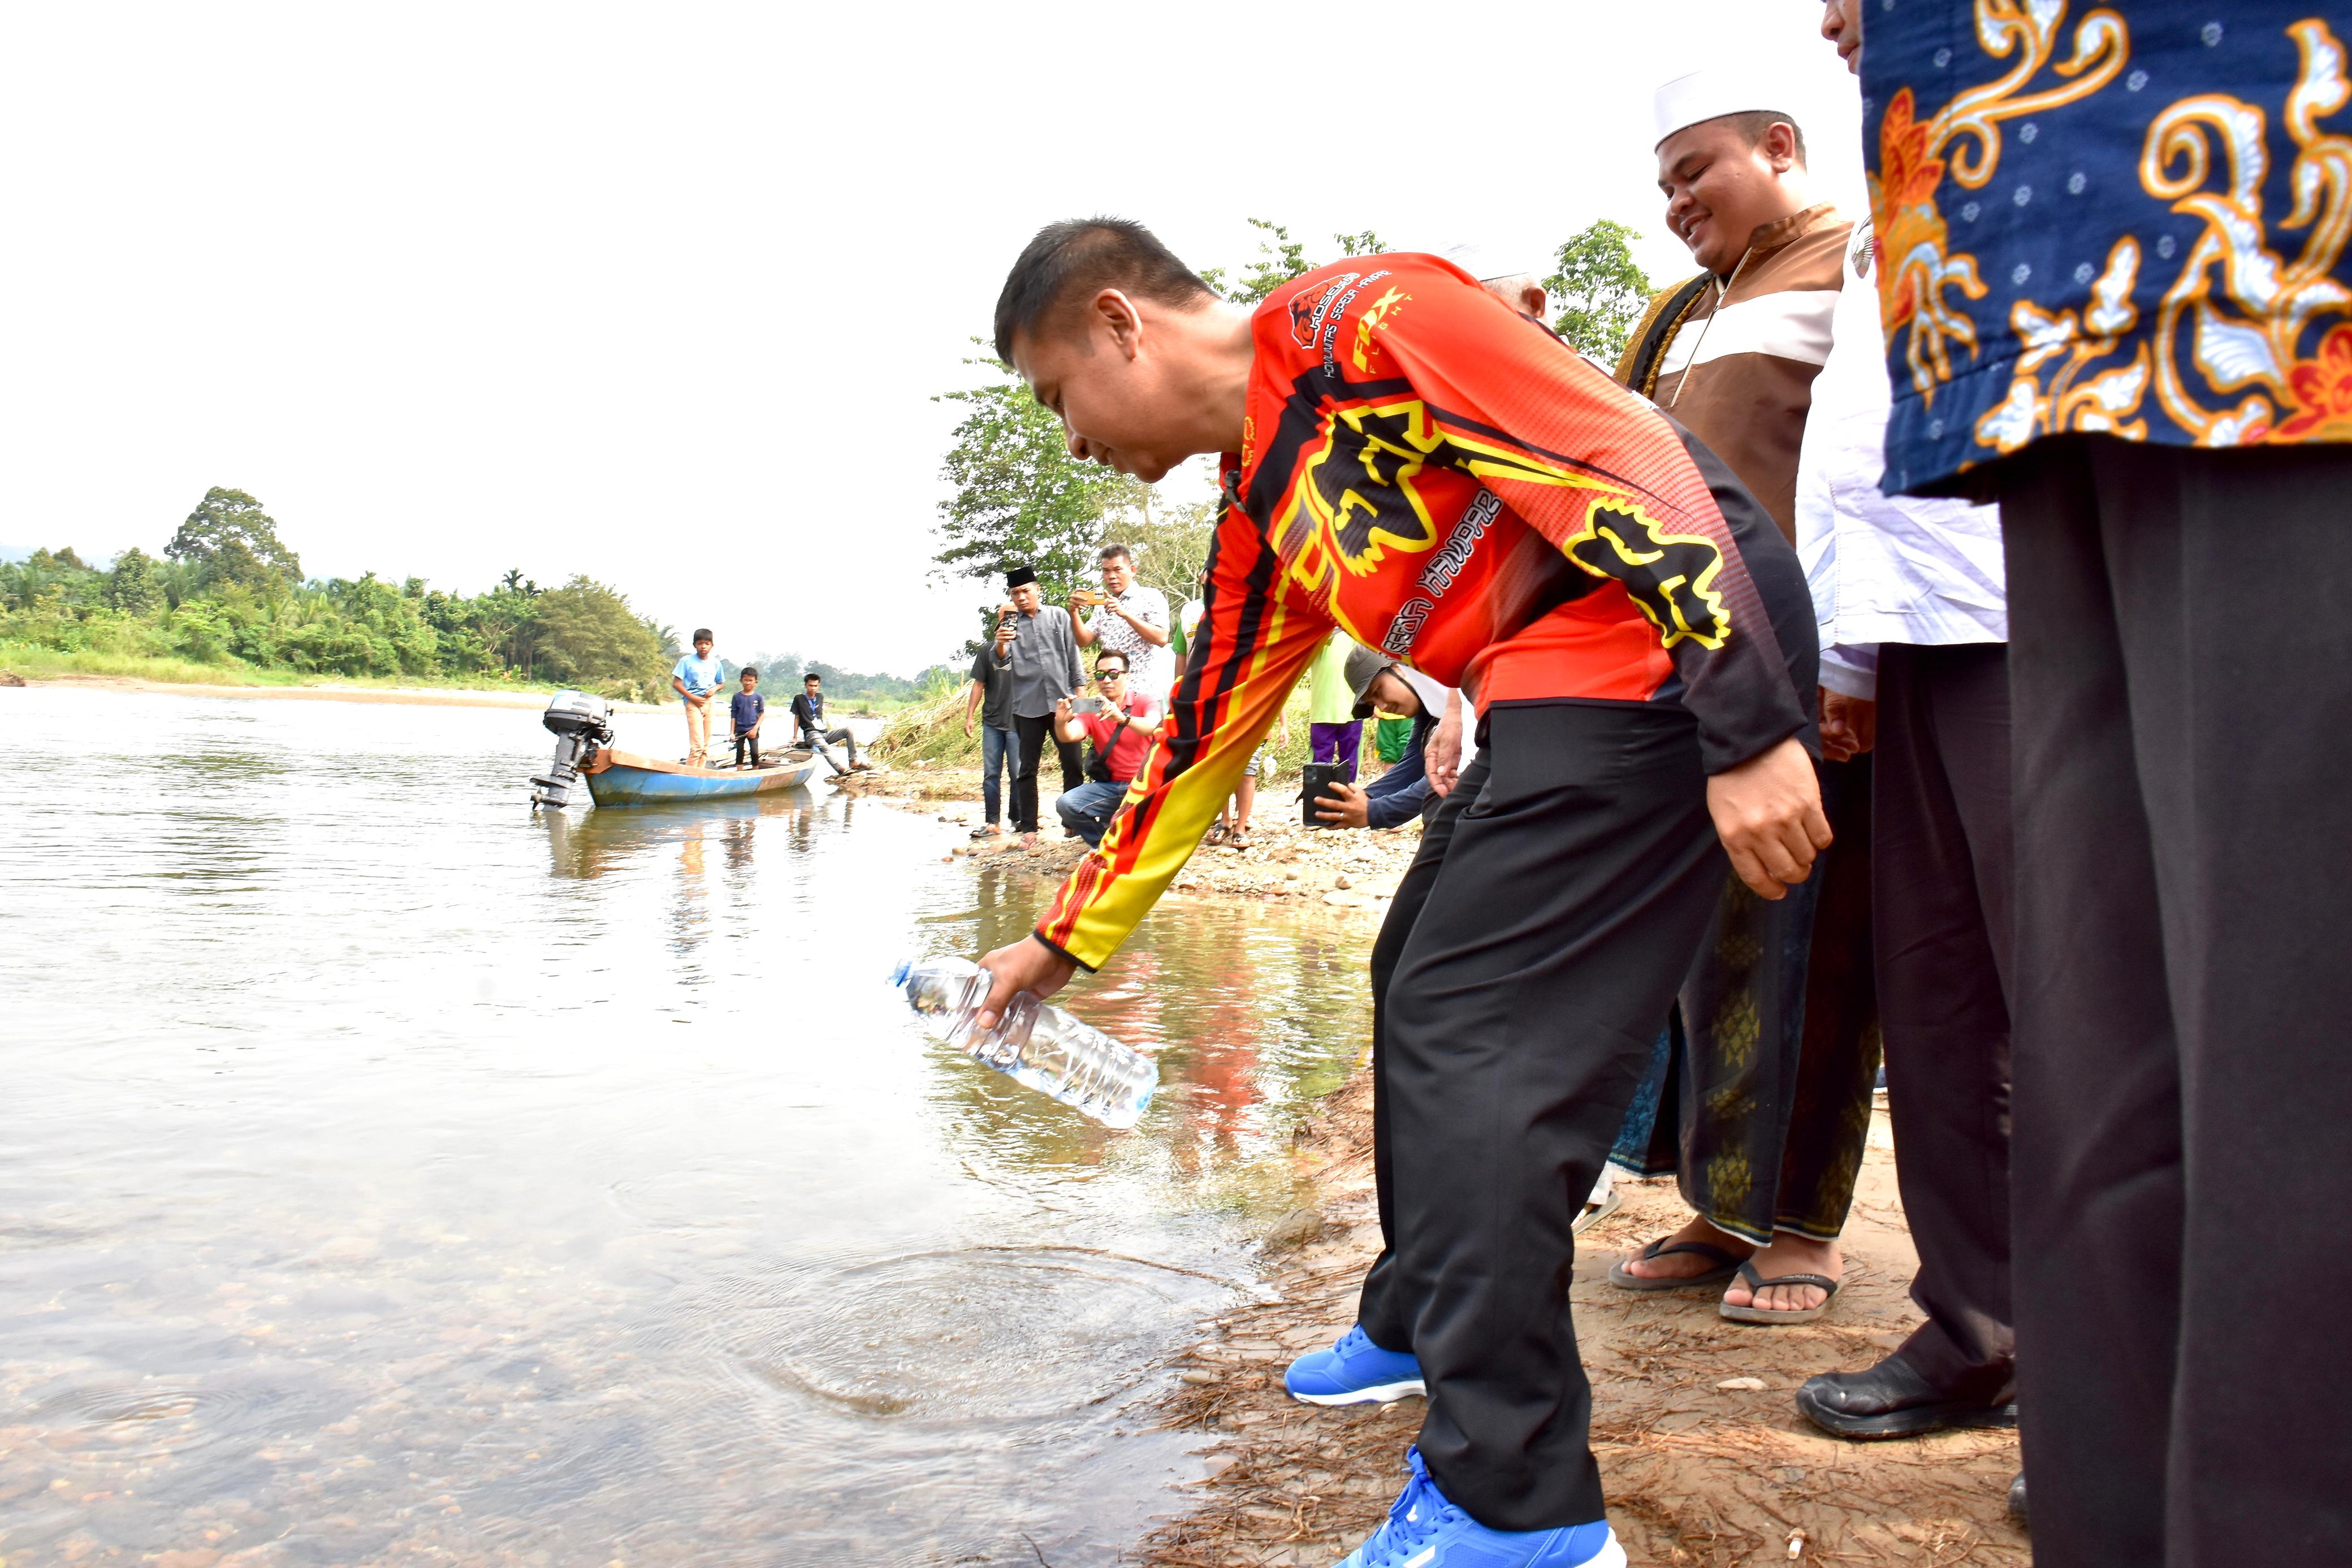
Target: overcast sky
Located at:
point(662, 294)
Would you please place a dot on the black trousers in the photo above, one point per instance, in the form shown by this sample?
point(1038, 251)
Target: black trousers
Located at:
point(1033, 734)
point(747, 743)
point(1383, 1312)
point(1563, 915)
point(2182, 669)
point(1942, 869)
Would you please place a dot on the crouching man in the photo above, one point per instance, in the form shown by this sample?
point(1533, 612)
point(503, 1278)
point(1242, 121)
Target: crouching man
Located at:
point(1405, 458)
point(1118, 725)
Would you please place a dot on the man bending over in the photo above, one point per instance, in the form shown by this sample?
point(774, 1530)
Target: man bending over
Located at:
point(1405, 459)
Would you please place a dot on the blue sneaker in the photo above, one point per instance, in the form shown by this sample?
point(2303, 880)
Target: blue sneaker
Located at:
point(1355, 1371)
point(1424, 1530)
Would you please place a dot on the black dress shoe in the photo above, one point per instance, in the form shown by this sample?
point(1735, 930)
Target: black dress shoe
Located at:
point(2017, 1500)
point(1891, 1400)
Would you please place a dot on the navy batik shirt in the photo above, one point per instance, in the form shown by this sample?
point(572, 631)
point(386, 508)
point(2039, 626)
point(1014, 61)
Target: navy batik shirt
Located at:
point(2125, 218)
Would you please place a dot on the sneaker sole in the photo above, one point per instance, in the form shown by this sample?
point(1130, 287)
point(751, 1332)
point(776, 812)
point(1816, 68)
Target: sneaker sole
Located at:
point(1378, 1394)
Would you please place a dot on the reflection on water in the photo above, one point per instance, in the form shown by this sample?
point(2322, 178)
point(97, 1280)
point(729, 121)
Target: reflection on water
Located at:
point(392, 1175)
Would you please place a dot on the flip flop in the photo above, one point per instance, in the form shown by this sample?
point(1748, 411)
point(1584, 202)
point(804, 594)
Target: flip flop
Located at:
point(1217, 833)
point(1757, 1285)
point(1727, 1266)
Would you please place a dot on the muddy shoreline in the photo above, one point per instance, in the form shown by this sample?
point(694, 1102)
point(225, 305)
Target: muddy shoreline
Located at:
point(1705, 1461)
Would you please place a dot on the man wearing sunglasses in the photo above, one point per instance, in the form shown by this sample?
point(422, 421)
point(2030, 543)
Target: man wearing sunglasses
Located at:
point(1119, 723)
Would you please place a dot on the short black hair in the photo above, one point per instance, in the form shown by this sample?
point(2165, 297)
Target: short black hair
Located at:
point(1114, 653)
point(702, 635)
point(812, 676)
point(1117, 552)
point(750, 670)
point(1089, 254)
point(1753, 123)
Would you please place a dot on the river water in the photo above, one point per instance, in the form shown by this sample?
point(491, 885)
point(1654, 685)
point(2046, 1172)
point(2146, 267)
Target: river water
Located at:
point(393, 1177)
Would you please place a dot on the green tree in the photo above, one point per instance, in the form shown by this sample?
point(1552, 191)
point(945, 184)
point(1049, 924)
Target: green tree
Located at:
point(1281, 258)
point(133, 585)
point(234, 540)
point(1170, 542)
point(1019, 498)
point(586, 632)
point(1602, 291)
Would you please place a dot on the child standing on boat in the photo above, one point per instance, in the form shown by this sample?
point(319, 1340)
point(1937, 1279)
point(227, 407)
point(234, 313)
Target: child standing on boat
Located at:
point(746, 708)
point(696, 680)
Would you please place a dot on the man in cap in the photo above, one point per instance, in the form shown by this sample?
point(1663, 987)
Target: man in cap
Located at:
point(1041, 653)
point(1405, 458)
point(1764, 1114)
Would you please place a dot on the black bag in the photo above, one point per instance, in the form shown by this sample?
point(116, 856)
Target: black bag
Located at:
point(1096, 770)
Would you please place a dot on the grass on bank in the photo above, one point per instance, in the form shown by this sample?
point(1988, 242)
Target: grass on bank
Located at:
point(36, 663)
point(933, 733)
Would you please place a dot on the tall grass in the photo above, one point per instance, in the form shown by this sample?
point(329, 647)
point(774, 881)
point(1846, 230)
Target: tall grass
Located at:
point(37, 662)
point(933, 732)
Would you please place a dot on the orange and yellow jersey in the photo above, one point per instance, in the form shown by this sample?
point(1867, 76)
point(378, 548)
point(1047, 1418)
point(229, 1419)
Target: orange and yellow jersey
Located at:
point(1447, 482)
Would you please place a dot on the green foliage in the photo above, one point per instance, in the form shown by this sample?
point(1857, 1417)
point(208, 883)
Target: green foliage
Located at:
point(1170, 542)
point(134, 587)
point(1020, 499)
point(229, 598)
point(1281, 258)
point(586, 634)
point(233, 541)
point(1602, 291)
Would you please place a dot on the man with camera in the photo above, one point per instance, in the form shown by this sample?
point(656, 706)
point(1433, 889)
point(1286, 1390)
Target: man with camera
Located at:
point(1118, 723)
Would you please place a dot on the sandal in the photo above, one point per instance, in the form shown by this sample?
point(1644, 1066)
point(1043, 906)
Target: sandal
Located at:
point(1595, 1213)
point(1240, 840)
point(1757, 1285)
point(1726, 1267)
point(987, 831)
point(1217, 834)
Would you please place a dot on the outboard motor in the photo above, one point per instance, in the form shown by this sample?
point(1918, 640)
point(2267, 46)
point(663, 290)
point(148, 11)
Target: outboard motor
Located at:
point(581, 723)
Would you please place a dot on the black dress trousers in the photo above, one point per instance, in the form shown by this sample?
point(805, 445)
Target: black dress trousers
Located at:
point(1031, 734)
point(1943, 871)
point(2181, 677)
point(1562, 917)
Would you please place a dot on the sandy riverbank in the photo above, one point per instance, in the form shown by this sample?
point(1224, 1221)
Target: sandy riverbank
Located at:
point(1705, 1461)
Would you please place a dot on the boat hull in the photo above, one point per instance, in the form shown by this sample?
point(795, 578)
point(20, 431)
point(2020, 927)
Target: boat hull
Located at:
point(621, 779)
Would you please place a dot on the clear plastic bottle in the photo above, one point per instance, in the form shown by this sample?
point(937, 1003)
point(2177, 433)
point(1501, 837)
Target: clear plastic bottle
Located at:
point(1035, 1043)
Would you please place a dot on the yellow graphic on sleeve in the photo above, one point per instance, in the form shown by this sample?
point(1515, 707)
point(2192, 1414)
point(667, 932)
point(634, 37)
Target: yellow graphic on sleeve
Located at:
point(1671, 577)
point(1374, 314)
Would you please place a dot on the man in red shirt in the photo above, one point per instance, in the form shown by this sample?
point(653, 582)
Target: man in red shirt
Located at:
point(1119, 731)
point(1405, 458)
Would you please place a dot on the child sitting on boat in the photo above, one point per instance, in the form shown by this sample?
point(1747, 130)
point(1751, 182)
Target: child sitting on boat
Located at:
point(745, 709)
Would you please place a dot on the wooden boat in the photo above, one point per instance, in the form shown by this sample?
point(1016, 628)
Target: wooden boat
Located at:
point(624, 779)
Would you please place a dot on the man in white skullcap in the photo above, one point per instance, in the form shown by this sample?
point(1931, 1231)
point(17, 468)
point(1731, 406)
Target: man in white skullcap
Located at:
point(1764, 1119)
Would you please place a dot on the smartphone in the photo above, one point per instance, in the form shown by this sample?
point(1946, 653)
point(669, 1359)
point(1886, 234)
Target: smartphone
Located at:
point(1086, 704)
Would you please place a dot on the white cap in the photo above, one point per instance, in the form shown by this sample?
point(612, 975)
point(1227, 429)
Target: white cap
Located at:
point(1709, 94)
point(1486, 263)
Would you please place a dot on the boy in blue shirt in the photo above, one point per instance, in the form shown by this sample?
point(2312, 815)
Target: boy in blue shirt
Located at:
point(745, 708)
point(695, 681)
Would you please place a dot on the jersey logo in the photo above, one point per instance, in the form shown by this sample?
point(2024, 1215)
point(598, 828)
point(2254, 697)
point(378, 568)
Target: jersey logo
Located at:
point(1360, 486)
point(1671, 577)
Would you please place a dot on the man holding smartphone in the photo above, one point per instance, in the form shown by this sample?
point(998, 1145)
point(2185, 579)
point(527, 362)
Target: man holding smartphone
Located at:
point(1119, 723)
